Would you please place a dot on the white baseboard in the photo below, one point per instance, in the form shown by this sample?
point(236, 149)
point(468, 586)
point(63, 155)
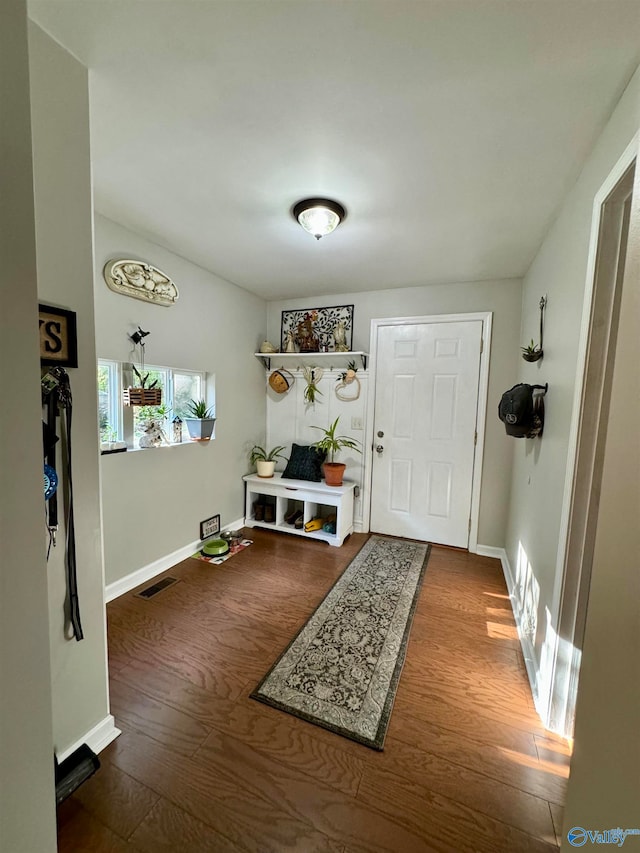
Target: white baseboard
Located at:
point(490, 551)
point(525, 642)
point(238, 524)
point(146, 573)
point(140, 576)
point(97, 738)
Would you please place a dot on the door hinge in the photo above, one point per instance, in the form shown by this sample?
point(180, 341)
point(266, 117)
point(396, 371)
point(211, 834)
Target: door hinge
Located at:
point(481, 345)
point(475, 438)
point(469, 525)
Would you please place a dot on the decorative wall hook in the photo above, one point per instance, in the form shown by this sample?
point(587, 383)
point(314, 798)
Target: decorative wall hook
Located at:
point(534, 352)
point(348, 377)
point(137, 337)
point(143, 395)
point(312, 376)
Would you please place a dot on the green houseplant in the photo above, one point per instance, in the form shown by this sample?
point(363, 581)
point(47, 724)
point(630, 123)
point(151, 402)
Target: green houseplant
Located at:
point(200, 420)
point(532, 352)
point(265, 462)
point(332, 444)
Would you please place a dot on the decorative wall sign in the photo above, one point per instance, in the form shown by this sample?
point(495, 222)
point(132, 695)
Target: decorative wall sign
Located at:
point(141, 281)
point(210, 526)
point(58, 340)
point(326, 321)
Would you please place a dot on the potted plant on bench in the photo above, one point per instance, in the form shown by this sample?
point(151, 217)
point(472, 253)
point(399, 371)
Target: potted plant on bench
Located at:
point(265, 462)
point(200, 422)
point(332, 444)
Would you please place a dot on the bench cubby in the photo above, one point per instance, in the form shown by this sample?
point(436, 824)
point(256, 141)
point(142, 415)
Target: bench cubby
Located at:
point(315, 499)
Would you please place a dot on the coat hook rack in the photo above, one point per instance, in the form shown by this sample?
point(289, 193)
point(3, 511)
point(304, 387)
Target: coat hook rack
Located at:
point(534, 352)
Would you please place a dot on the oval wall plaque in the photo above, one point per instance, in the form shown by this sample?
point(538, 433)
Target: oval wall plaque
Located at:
point(141, 281)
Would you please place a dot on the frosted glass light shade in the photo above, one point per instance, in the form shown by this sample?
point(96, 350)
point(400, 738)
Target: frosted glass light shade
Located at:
point(319, 216)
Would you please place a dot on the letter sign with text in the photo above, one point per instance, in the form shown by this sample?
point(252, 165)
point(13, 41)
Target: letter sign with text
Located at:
point(58, 343)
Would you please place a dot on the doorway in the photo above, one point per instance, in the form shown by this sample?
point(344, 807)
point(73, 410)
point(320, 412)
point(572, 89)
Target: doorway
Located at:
point(612, 211)
point(428, 426)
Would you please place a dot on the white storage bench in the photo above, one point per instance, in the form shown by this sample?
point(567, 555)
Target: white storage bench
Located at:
point(314, 499)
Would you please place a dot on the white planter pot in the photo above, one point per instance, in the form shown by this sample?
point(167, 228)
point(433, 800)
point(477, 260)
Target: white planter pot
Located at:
point(200, 429)
point(265, 469)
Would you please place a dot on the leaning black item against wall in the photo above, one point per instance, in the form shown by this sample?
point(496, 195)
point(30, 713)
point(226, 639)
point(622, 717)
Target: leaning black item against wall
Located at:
point(57, 400)
point(521, 410)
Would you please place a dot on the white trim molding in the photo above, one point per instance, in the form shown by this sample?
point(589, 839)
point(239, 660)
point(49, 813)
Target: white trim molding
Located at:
point(517, 606)
point(97, 738)
point(558, 701)
point(146, 573)
point(490, 551)
point(486, 318)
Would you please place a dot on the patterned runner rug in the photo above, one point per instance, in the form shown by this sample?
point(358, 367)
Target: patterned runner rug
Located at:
point(342, 669)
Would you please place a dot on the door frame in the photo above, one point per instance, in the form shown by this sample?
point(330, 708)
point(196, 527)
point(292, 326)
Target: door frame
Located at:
point(486, 318)
point(570, 596)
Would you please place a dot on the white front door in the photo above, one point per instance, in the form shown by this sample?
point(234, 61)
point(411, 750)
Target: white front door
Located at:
point(426, 399)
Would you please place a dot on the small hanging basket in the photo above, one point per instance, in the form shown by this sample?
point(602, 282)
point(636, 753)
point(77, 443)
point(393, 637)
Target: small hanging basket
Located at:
point(142, 396)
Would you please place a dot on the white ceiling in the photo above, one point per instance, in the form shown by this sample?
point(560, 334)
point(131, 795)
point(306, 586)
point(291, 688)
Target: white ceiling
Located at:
point(450, 130)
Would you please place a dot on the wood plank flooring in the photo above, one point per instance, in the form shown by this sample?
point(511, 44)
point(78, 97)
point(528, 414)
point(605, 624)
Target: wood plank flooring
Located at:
point(201, 768)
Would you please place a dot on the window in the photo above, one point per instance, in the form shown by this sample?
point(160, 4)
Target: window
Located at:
point(143, 414)
point(116, 421)
point(178, 387)
point(109, 401)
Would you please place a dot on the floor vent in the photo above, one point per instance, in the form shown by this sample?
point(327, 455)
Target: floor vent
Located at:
point(155, 588)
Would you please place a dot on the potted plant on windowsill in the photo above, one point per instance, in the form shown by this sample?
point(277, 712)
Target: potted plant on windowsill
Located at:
point(200, 422)
point(265, 462)
point(332, 444)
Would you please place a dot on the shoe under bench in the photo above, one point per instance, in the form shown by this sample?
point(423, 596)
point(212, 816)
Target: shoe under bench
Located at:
point(314, 499)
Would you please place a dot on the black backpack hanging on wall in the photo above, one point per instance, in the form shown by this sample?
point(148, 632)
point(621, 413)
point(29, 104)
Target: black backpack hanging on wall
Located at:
point(522, 411)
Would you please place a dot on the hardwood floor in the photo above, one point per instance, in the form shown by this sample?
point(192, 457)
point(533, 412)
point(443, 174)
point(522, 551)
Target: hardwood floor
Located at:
point(200, 767)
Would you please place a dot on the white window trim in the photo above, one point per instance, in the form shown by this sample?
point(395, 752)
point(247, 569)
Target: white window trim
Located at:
point(120, 374)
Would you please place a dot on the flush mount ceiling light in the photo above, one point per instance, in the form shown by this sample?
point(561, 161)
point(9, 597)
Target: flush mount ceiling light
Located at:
point(319, 216)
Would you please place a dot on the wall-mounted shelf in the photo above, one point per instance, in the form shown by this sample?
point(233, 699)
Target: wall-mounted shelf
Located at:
point(293, 359)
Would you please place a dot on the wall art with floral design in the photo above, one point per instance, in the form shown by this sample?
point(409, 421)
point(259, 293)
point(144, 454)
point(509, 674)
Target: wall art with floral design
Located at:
point(324, 322)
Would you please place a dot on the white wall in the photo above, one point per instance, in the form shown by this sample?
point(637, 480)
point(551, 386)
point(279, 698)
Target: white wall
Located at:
point(63, 207)
point(540, 468)
point(503, 298)
point(603, 788)
point(27, 801)
point(153, 500)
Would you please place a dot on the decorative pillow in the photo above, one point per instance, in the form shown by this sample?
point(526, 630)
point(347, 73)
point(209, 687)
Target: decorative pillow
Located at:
point(305, 463)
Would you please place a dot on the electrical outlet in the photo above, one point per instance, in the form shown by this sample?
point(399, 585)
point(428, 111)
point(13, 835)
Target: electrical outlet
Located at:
point(356, 423)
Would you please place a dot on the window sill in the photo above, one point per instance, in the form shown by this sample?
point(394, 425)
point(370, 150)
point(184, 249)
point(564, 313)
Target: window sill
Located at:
point(106, 450)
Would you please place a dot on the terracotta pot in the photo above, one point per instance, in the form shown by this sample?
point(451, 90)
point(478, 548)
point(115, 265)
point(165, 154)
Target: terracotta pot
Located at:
point(265, 469)
point(333, 473)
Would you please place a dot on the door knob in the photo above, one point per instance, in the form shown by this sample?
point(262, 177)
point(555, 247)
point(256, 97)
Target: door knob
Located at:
point(379, 448)
point(380, 434)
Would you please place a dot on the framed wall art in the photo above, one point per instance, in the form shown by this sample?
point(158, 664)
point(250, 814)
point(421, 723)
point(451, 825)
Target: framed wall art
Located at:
point(324, 323)
point(58, 336)
point(209, 527)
